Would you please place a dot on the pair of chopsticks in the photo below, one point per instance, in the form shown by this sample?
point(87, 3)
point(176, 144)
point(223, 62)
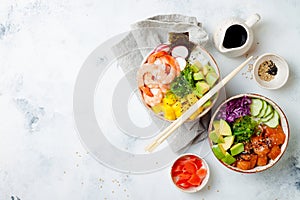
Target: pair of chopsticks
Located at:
point(171, 128)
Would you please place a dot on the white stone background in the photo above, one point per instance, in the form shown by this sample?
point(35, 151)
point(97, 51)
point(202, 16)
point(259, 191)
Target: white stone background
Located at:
point(42, 47)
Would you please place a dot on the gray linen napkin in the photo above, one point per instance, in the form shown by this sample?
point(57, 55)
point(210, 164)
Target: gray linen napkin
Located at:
point(144, 36)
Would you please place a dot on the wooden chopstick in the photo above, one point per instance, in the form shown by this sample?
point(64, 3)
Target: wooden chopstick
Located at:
point(174, 125)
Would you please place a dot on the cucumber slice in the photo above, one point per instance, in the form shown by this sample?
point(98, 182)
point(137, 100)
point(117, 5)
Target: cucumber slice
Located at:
point(263, 110)
point(267, 118)
point(268, 111)
point(274, 121)
point(256, 107)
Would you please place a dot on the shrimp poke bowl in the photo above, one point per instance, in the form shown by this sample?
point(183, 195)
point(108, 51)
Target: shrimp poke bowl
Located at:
point(176, 75)
point(248, 133)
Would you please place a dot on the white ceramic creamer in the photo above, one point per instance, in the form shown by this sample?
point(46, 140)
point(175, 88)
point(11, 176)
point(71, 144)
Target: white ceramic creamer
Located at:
point(234, 37)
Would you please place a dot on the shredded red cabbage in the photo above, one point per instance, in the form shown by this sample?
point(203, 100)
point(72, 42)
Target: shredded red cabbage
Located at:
point(234, 109)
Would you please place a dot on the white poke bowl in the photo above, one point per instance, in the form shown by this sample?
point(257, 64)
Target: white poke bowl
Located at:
point(205, 58)
point(283, 122)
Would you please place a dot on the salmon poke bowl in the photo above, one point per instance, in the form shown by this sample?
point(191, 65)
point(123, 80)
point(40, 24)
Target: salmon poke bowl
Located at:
point(248, 133)
point(176, 75)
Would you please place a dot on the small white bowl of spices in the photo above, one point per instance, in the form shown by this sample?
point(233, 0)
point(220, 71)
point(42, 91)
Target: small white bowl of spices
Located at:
point(271, 71)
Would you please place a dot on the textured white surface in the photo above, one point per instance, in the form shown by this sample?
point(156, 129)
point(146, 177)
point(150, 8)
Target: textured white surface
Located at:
point(42, 47)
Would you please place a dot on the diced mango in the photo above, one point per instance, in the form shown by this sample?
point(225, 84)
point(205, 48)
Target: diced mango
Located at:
point(195, 114)
point(176, 106)
point(168, 102)
point(177, 109)
point(183, 100)
point(200, 110)
point(192, 98)
point(169, 99)
point(157, 108)
point(169, 112)
point(178, 113)
point(171, 95)
point(185, 107)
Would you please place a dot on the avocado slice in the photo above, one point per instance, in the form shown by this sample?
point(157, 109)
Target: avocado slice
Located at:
point(228, 159)
point(207, 104)
point(236, 149)
point(197, 93)
point(202, 87)
point(192, 98)
point(208, 68)
point(194, 68)
point(198, 64)
point(218, 151)
point(211, 78)
point(198, 76)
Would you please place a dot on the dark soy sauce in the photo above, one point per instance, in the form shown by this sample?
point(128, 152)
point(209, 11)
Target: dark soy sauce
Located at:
point(235, 36)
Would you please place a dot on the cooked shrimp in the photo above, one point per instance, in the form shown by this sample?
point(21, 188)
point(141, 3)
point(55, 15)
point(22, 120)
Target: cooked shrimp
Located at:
point(165, 58)
point(152, 69)
point(172, 62)
point(146, 91)
point(150, 80)
point(155, 76)
point(164, 88)
point(168, 75)
point(155, 99)
point(151, 59)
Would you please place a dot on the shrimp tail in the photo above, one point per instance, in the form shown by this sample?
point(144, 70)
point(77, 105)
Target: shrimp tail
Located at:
point(147, 91)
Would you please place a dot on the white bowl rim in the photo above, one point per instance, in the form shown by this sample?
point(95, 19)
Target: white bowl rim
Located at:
point(284, 123)
point(204, 182)
point(259, 81)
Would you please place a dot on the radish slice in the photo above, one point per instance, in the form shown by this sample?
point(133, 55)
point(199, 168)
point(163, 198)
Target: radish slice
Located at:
point(181, 51)
point(162, 47)
point(182, 62)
